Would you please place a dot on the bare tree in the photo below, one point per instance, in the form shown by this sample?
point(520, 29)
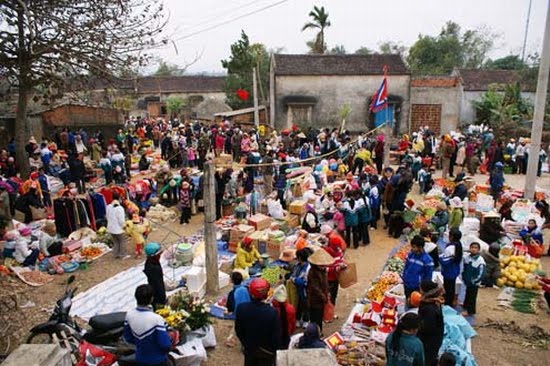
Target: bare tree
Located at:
point(46, 42)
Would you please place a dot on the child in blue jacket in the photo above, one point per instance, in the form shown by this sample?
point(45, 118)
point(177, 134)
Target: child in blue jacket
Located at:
point(418, 266)
point(474, 266)
point(450, 262)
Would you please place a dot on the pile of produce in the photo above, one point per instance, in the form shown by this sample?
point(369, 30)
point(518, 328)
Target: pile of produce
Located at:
point(396, 265)
point(91, 252)
point(524, 301)
point(518, 271)
point(403, 252)
point(273, 275)
point(34, 278)
point(385, 282)
point(103, 237)
point(360, 354)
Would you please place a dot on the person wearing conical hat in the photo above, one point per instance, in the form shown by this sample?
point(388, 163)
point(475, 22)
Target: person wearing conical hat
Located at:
point(317, 285)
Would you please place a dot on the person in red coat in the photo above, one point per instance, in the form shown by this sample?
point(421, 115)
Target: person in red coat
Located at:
point(337, 253)
point(334, 238)
point(287, 314)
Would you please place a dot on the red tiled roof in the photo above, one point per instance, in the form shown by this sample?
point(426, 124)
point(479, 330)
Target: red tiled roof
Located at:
point(434, 82)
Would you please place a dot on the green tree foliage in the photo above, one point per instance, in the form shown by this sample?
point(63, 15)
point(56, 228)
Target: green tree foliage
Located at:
point(389, 48)
point(503, 108)
point(451, 48)
point(47, 42)
point(364, 51)
point(174, 105)
point(244, 57)
point(168, 69)
point(339, 49)
point(511, 62)
point(319, 21)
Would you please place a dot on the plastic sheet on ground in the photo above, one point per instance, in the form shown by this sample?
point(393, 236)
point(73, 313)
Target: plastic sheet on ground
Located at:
point(191, 353)
point(117, 293)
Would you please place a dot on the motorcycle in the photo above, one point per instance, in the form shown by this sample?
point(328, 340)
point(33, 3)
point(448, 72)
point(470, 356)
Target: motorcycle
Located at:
point(106, 329)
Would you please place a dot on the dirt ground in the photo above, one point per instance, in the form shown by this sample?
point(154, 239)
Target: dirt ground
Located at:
point(500, 343)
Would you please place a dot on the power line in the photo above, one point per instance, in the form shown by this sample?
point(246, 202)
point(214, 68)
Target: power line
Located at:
point(217, 15)
point(230, 20)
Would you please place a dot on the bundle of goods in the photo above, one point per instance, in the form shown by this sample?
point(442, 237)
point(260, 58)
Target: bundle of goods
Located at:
point(524, 301)
point(360, 354)
point(161, 213)
point(385, 282)
point(524, 210)
point(519, 271)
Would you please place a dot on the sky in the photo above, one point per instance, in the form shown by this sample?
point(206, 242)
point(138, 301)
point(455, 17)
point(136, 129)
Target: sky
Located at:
point(355, 23)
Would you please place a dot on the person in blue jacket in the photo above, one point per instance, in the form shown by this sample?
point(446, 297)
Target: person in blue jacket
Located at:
point(147, 330)
point(418, 266)
point(299, 278)
point(531, 232)
point(450, 261)
point(496, 180)
point(238, 295)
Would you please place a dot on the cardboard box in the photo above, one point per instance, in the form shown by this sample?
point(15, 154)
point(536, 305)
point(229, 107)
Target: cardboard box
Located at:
point(293, 220)
point(275, 247)
point(297, 207)
point(239, 232)
point(259, 221)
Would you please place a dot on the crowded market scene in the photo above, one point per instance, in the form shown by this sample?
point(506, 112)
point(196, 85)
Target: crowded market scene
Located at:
point(258, 236)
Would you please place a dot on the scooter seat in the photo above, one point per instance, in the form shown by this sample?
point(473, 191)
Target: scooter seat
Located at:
point(127, 360)
point(105, 322)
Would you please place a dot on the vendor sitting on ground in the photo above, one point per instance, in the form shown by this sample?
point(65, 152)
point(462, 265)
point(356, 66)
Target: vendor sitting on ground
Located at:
point(247, 255)
point(49, 244)
point(490, 230)
point(26, 251)
point(532, 237)
point(460, 191)
point(441, 218)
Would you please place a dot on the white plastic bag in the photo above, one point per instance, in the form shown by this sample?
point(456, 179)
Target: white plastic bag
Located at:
point(191, 353)
point(206, 334)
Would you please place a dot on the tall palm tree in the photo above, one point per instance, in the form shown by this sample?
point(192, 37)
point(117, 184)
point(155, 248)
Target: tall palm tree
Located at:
point(319, 21)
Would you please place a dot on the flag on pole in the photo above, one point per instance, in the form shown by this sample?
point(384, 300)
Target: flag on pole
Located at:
point(380, 98)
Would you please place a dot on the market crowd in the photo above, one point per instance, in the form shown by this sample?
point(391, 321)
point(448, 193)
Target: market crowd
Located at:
point(349, 192)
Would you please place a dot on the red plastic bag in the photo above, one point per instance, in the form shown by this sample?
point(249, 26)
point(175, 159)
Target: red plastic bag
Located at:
point(328, 312)
point(91, 355)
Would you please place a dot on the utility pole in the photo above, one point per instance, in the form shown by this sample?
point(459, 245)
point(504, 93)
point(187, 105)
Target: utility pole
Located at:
point(255, 96)
point(538, 116)
point(526, 31)
point(210, 245)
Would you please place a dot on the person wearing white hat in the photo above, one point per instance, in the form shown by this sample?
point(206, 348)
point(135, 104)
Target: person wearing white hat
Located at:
point(287, 314)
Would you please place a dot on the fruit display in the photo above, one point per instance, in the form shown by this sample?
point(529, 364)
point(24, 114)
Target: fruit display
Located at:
point(385, 282)
point(395, 264)
point(273, 275)
point(91, 252)
point(403, 252)
point(518, 271)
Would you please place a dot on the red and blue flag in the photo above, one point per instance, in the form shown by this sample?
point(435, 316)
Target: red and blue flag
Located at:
point(380, 98)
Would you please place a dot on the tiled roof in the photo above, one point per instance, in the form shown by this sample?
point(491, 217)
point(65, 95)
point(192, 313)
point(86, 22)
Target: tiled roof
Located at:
point(165, 84)
point(339, 64)
point(434, 82)
point(480, 79)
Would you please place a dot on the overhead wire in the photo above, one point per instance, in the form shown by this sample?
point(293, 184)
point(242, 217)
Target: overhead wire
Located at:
point(230, 20)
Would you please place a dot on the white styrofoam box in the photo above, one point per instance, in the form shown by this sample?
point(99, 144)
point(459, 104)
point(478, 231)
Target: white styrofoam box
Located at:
point(224, 279)
point(196, 277)
point(470, 225)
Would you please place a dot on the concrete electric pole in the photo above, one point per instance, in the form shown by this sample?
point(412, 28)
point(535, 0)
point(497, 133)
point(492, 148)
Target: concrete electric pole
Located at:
point(538, 116)
point(210, 245)
point(255, 96)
